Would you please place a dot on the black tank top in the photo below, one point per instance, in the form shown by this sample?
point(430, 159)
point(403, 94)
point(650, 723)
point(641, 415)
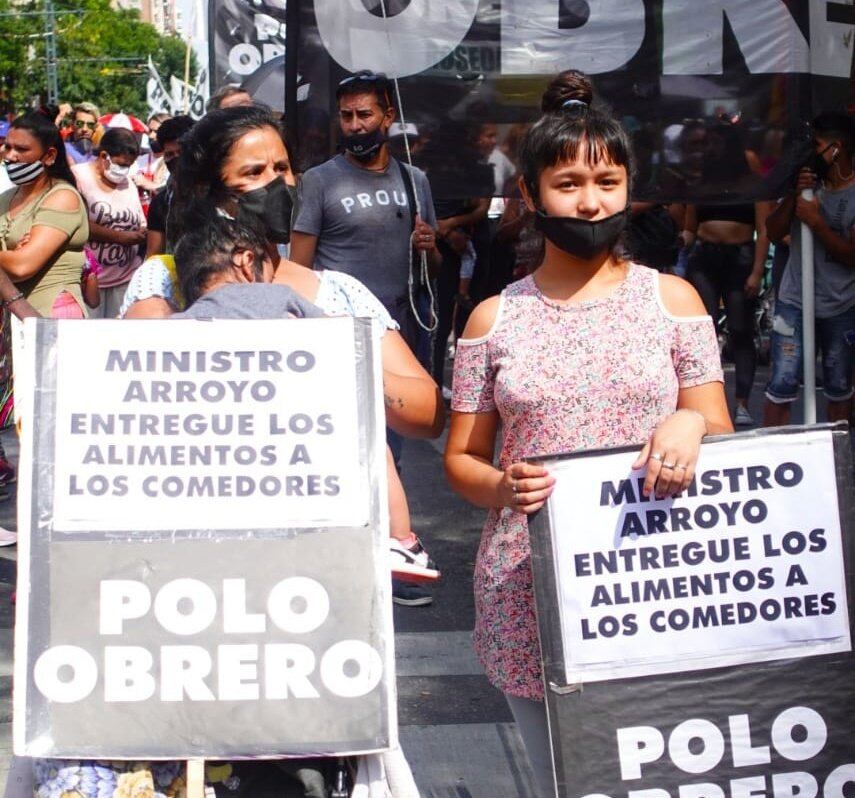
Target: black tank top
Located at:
point(744, 214)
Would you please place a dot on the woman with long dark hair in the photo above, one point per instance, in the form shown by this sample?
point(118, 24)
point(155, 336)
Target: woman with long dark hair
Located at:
point(590, 351)
point(43, 223)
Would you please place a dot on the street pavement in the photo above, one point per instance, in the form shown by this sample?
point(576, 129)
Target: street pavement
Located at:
point(455, 728)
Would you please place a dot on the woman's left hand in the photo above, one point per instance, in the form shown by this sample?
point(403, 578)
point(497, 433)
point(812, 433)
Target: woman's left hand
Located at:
point(672, 453)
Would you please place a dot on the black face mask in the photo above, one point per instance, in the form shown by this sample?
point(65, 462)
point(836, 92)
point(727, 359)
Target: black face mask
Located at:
point(579, 237)
point(364, 146)
point(818, 165)
point(155, 146)
point(270, 206)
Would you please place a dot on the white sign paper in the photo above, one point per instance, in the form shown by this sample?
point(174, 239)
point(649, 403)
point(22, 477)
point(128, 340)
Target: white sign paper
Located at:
point(747, 566)
point(262, 431)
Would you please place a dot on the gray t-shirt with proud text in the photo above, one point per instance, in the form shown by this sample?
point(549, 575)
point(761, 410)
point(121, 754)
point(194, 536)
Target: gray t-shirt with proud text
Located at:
point(363, 222)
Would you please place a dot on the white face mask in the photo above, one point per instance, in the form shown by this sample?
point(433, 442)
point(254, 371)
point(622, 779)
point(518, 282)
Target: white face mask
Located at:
point(116, 173)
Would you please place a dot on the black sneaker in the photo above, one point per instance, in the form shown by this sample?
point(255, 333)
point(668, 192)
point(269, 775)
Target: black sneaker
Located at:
point(409, 595)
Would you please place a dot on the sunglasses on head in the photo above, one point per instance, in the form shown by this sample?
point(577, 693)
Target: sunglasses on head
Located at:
point(366, 76)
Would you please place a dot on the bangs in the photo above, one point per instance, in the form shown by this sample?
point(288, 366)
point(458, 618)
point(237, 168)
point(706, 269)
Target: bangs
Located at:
point(592, 149)
point(556, 138)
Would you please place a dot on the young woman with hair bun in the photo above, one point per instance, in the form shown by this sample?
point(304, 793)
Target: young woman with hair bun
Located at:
point(590, 351)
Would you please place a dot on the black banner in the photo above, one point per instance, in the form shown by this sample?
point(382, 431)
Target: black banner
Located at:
point(678, 73)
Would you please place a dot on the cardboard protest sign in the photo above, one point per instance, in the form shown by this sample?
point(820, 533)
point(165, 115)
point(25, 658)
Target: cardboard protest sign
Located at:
point(204, 523)
point(701, 646)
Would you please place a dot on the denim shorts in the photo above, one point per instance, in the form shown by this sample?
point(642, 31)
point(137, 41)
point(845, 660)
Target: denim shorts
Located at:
point(835, 338)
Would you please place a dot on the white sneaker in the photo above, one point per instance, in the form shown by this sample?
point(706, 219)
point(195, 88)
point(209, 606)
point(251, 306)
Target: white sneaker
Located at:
point(412, 565)
point(8, 537)
point(742, 418)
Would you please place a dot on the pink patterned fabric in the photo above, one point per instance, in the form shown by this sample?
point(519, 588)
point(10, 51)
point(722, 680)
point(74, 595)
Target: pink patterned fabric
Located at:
point(565, 378)
point(65, 307)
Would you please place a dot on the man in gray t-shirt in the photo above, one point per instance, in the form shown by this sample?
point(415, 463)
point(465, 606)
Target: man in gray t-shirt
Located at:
point(355, 213)
point(830, 215)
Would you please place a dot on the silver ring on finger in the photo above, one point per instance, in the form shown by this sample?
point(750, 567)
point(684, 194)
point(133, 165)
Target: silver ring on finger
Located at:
point(669, 466)
point(514, 488)
point(680, 467)
point(657, 456)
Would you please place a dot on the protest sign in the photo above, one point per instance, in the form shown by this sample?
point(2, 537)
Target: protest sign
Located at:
point(204, 525)
point(700, 646)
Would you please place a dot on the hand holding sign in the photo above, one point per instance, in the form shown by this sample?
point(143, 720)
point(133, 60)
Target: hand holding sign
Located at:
point(525, 487)
point(672, 452)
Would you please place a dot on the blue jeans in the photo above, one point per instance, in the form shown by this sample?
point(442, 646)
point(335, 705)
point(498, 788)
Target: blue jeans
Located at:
point(835, 337)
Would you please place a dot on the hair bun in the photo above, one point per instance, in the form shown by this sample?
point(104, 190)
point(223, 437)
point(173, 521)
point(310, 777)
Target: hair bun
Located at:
point(566, 90)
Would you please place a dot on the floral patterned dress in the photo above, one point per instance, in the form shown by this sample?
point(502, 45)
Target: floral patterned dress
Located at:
point(591, 375)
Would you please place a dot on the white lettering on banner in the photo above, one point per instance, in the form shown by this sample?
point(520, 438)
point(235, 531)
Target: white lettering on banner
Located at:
point(745, 566)
point(794, 785)
point(244, 59)
point(61, 689)
point(295, 605)
point(644, 745)
point(697, 745)
point(831, 43)
point(533, 44)
point(765, 30)
point(405, 44)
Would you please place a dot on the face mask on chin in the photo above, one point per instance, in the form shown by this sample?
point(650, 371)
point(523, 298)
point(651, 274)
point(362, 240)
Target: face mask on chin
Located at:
point(364, 146)
point(582, 238)
point(270, 206)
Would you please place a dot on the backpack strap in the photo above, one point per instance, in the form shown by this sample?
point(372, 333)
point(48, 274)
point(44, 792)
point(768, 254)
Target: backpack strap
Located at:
point(410, 189)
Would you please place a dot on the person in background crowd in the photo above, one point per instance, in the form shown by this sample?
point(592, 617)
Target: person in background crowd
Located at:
point(116, 221)
point(357, 214)
point(43, 229)
point(486, 142)
point(831, 217)
point(590, 351)
point(229, 96)
point(360, 198)
point(149, 173)
point(43, 223)
point(456, 224)
point(84, 119)
point(169, 138)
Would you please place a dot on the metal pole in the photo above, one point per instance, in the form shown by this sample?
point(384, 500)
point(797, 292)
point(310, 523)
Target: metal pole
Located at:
point(808, 323)
point(292, 39)
point(50, 54)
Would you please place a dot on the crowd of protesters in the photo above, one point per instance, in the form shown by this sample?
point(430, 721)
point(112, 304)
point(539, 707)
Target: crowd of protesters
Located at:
point(211, 218)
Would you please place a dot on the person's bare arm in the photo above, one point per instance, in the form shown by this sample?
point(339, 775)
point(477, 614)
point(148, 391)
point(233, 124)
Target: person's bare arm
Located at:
point(778, 222)
point(471, 443)
point(12, 299)
point(127, 238)
point(153, 307)
point(761, 248)
point(478, 212)
point(414, 406)
point(303, 247)
point(155, 243)
point(42, 243)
